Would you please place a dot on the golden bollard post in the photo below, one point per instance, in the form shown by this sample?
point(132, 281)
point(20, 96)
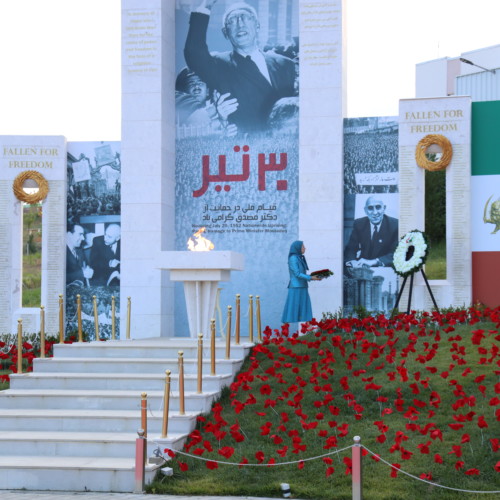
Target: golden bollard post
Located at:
point(182, 410)
point(79, 317)
point(228, 333)
point(166, 404)
point(113, 318)
point(237, 321)
point(19, 346)
point(200, 363)
point(257, 313)
point(42, 332)
point(250, 318)
point(129, 306)
point(212, 346)
point(96, 318)
point(61, 319)
point(144, 413)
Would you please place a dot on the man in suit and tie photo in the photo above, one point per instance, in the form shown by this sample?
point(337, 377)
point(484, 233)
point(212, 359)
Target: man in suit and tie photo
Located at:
point(374, 237)
point(256, 79)
point(105, 257)
point(77, 270)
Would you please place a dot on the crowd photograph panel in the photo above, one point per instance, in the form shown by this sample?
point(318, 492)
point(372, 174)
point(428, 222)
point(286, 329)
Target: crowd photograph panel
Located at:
point(93, 236)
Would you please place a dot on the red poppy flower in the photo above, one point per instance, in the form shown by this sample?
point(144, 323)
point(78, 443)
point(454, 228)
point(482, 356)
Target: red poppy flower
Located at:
point(456, 449)
point(343, 429)
point(472, 472)
point(334, 410)
point(259, 456)
point(394, 469)
point(226, 451)
point(282, 452)
point(329, 471)
point(238, 437)
point(424, 448)
point(266, 389)
point(495, 444)
point(497, 466)
point(348, 463)
point(212, 465)
point(438, 459)
point(183, 466)
point(481, 422)
point(276, 439)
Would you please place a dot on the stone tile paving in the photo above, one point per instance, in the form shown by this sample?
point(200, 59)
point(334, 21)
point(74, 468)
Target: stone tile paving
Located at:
point(70, 495)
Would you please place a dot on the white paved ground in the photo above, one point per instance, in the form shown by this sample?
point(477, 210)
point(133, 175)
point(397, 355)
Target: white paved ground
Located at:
point(69, 495)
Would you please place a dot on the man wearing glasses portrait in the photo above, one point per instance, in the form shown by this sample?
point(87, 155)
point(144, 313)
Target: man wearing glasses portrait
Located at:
point(374, 237)
point(256, 79)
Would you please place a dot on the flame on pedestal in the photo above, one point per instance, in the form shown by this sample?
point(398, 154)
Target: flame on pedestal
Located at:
point(197, 243)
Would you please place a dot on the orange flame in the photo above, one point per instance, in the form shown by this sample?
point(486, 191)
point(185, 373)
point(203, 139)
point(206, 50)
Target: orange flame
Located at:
point(197, 243)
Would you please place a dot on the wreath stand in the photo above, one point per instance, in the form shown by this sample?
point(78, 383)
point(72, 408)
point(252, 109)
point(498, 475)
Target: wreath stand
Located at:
point(411, 289)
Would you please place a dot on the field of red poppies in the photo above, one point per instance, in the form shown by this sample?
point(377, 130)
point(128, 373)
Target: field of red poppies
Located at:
point(422, 391)
point(30, 350)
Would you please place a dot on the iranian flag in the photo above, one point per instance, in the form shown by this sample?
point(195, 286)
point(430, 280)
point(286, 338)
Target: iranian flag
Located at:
point(485, 198)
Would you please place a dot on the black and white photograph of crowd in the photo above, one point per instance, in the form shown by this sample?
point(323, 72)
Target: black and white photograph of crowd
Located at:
point(93, 237)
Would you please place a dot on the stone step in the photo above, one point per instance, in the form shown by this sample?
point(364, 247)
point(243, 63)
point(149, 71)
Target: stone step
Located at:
point(114, 381)
point(79, 444)
point(72, 423)
point(61, 473)
point(84, 420)
point(100, 400)
point(159, 348)
point(124, 365)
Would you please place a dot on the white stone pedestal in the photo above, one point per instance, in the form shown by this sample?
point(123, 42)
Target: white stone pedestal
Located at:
point(201, 273)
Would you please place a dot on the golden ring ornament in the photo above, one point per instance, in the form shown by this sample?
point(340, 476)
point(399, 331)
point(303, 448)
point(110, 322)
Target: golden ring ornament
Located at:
point(22, 195)
point(421, 149)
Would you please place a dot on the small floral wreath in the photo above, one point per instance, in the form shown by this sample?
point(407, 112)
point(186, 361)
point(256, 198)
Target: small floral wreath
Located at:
point(411, 253)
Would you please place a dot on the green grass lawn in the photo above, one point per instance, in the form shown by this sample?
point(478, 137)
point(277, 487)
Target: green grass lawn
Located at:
point(435, 265)
point(411, 391)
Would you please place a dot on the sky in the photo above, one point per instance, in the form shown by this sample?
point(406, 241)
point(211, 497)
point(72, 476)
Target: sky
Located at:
point(60, 59)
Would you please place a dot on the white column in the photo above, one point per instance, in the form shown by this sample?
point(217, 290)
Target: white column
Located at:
point(148, 163)
point(322, 108)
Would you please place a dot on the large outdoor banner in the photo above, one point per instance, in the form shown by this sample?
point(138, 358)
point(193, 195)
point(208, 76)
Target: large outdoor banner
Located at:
point(93, 237)
point(237, 126)
point(485, 202)
point(371, 211)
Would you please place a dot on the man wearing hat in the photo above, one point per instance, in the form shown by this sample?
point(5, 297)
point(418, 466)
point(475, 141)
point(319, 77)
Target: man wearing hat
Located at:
point(254, 78)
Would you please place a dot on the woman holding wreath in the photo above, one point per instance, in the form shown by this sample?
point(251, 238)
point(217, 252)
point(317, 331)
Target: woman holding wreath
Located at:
point(298, 303)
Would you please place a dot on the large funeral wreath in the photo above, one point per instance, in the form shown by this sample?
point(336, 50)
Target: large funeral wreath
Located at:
point(411, 253)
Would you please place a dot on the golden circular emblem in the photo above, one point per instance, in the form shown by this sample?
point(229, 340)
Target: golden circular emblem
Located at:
point(38, 179)
point(422, 155)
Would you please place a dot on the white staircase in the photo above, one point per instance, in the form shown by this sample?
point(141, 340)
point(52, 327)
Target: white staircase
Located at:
point(72, 423)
